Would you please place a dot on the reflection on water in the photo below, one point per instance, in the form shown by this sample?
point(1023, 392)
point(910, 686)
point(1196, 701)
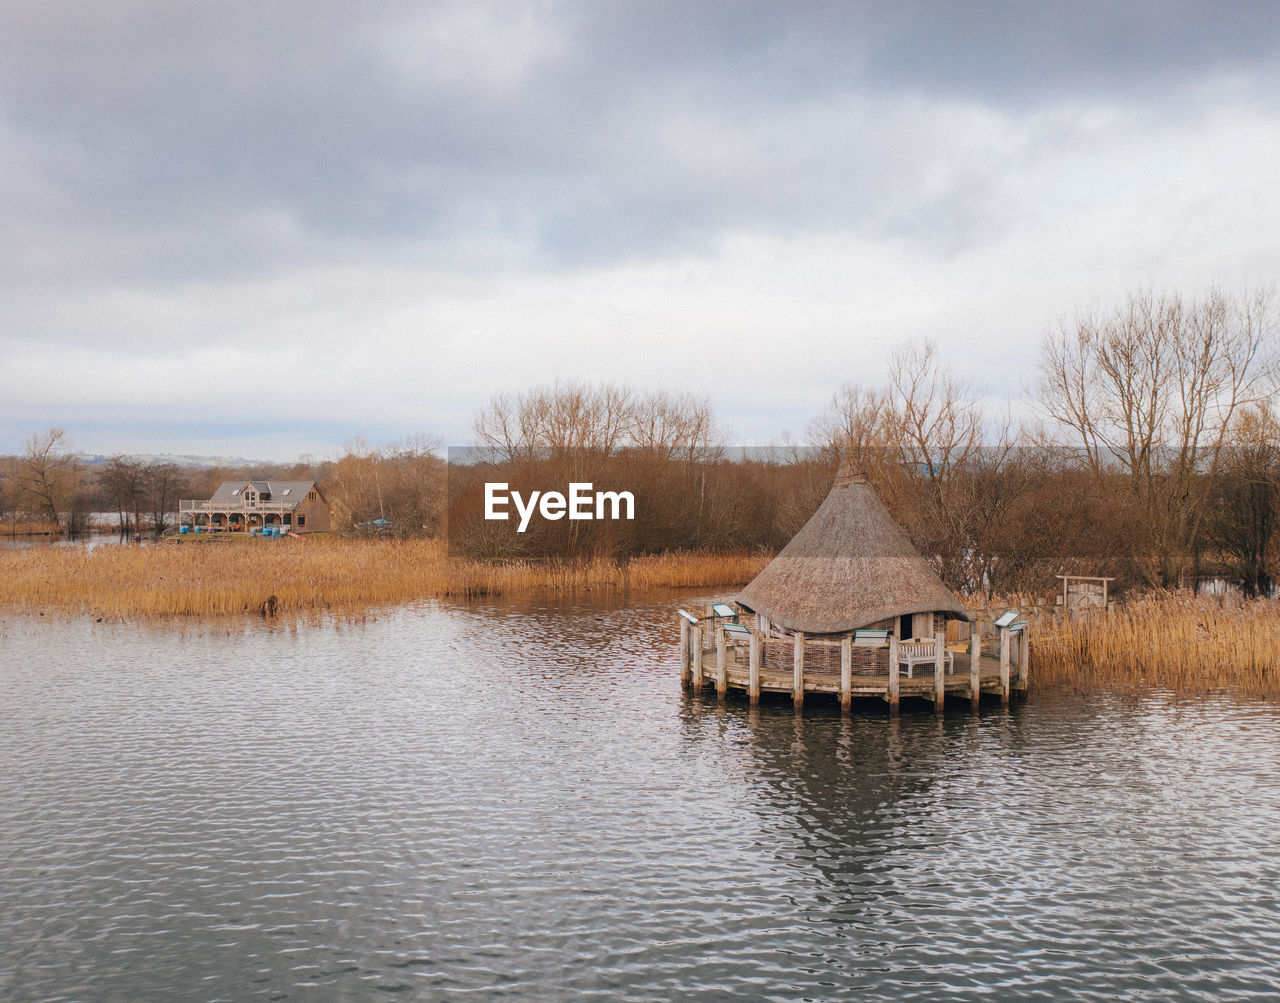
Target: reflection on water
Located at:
point(23, 541)
point(517, 798)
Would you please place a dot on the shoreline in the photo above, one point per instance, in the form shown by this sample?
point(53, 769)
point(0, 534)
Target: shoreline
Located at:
point(1181, 643)
point(336, 576)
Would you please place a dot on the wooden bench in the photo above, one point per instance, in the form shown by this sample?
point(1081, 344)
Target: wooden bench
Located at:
point(924, 652)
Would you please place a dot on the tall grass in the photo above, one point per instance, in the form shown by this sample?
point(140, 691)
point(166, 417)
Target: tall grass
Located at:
point(33, 527)
point(1184, 643)
point(316, 576)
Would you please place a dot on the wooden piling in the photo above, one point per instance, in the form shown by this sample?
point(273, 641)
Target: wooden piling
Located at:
point(939, 670)
point(975, 664)
point(797, 676)
point(722, 669)
point(1024, 657)
point(893, 673)
point(1004, 665)
point(696, 634)
point(686, 659)
point(753, 668)
point(846, 673)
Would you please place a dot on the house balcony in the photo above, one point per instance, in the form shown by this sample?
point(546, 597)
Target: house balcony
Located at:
point(199, 507)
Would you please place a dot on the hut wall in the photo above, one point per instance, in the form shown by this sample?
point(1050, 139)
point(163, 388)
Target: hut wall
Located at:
point(824, 658)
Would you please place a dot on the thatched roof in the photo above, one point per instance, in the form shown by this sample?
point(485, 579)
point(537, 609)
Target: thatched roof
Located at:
point(849, 566)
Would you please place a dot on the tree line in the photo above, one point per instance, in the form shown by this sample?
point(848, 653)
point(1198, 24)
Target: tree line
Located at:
point(1152, 456)
point(395, 488)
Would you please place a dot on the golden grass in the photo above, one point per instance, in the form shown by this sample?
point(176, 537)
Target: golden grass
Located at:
point(38, 527)
point(306, 578)
point(1174, 641)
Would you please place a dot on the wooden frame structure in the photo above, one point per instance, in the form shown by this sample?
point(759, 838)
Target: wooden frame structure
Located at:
point(1086, 596)
point(711, 652)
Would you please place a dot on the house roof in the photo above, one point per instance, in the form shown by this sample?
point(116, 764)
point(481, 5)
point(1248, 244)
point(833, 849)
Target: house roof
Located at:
point(849, 566)
point(229, 492)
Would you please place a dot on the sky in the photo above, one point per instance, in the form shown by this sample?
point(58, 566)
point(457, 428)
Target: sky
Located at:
point(272, 229)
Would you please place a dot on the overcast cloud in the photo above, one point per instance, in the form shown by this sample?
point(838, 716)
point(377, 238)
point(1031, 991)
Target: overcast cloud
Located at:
point(266, 229)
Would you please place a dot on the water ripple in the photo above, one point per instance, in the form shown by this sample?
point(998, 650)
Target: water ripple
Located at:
point(517, 800)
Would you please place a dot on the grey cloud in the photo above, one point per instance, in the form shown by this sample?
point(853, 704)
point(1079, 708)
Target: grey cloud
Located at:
point(167, 133)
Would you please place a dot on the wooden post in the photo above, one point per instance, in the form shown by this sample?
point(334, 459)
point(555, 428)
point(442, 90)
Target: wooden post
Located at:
point(1004, 665)
point(939, 670)
point(753, 670)
point(722, 677)
point(686, 660)
point(696, 634)
point(846, 673)
point(975, 663)
point(893, 673)
point(1024, 657)
point(797, 677)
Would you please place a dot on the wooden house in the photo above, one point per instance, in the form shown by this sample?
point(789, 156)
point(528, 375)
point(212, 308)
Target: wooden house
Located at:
point(238, 506)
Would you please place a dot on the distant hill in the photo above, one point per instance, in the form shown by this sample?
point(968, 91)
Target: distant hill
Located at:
point(182, 460)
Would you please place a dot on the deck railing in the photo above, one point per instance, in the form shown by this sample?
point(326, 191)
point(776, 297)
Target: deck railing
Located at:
point(709, 644)
point(271, 508)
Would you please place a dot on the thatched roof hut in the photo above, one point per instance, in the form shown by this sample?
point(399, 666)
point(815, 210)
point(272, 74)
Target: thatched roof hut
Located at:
point(850, 567)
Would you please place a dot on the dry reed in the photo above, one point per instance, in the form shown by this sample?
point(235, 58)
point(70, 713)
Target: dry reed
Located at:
point(295, 578)
point(1173, 641)
point(38, 527)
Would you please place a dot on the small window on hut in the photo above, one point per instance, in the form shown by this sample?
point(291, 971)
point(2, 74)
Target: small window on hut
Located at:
point(312, 496)
point(302, 521)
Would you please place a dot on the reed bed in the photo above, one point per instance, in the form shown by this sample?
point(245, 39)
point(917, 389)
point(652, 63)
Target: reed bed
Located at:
point(297, 578)
point(1173, 641)
point(38, 527)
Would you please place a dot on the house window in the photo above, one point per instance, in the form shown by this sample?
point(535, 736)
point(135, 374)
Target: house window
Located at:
point(302, 521)
point(312, 496)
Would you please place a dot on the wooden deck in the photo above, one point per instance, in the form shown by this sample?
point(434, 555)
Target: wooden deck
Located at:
point(921, 684)
point(799, 666)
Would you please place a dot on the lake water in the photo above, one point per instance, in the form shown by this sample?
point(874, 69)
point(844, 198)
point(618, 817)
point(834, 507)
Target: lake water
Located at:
point(517, 799)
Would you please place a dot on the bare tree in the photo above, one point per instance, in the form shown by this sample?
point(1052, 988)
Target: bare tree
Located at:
point(10, 491)
point(668, 426)
point(123, 488)
point(555, 421)
point(394, 489)
point(164, 483)
point(853, 427)
point(1150, 390)
point(934, 421)
point(49, 475)
point(1244, 509)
